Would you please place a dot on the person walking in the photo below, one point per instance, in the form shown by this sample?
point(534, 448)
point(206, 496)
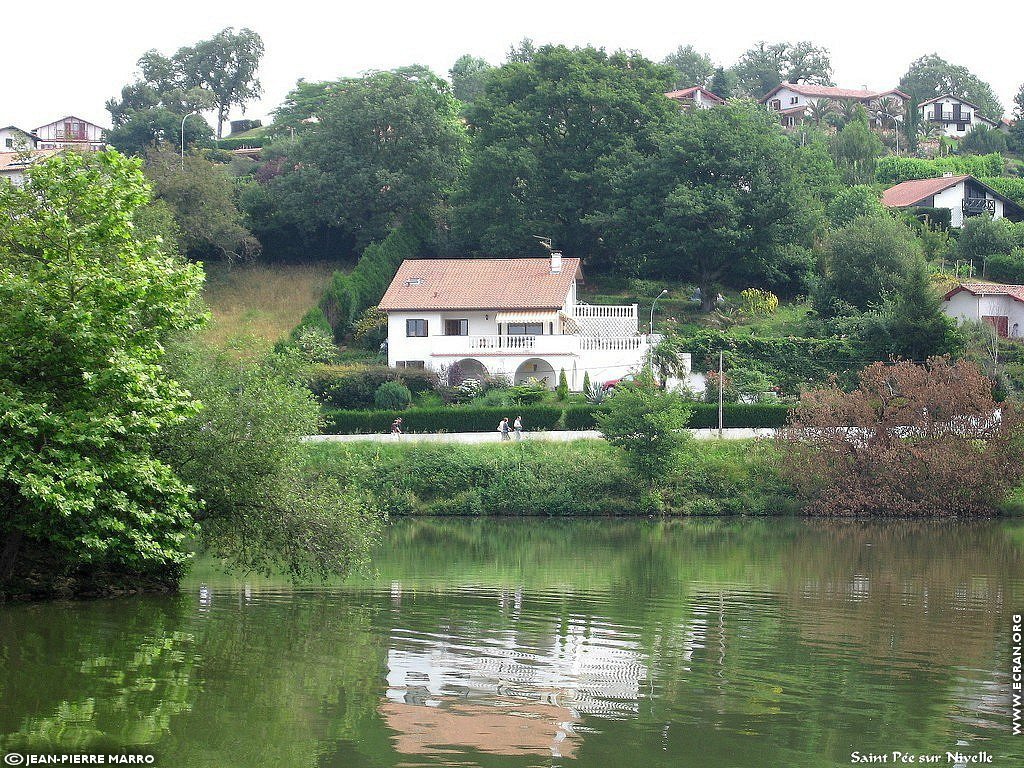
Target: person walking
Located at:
point(396, 426)
point(517, 425)
point(504, 429)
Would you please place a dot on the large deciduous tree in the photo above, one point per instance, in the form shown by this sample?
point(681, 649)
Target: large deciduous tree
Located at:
point(1016, 139)
point(719, 200)
point(225, 65)
point(931, 76)
point(538, 134)
point(764, 66)
point(469, 77)
point(85, 308)
point(691, 67)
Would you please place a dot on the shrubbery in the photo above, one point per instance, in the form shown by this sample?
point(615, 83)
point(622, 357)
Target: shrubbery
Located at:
point(393, 395)
point(338, 387)
point(893, 169)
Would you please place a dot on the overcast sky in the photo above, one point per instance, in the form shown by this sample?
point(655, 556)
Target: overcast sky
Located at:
point(76, 58)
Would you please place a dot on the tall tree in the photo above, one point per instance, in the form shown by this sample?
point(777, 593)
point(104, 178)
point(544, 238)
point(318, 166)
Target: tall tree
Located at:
point(468, 75)
point(538, 135)
point(1017, 129)
point(931, 76)
point(225, 65)
point(764, 66)
point(856, 149)
point(85, 307)
point(723, 83)
point(691, 67)
point(719, 200)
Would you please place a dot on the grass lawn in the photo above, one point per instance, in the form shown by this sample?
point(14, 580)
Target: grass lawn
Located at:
point(255, 305)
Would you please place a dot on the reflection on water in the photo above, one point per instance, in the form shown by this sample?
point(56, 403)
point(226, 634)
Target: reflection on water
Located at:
point(716, 643)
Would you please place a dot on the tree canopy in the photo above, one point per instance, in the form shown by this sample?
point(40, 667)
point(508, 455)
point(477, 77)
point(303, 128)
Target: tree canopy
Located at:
point(469, 76)
point(691, 67)
point(931, 76)
point(764, 66)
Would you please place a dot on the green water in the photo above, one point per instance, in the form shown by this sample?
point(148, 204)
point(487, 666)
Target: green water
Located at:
point(535, 643)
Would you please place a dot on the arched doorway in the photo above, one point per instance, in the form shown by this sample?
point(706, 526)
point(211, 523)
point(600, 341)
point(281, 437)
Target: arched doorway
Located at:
point(467, 368)
point(535, 368)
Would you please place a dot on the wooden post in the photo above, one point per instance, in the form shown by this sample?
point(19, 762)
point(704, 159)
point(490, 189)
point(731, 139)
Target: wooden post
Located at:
point(721, 392)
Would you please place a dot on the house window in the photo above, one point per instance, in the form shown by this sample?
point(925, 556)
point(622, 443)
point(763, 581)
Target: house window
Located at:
point(525, 329)
point(776, 104)
point(794, 99)
point(415, 327)
point(456, 327)
point(9, 143)
point(409, 364)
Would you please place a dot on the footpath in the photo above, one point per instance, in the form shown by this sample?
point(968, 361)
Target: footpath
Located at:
point(564, 436)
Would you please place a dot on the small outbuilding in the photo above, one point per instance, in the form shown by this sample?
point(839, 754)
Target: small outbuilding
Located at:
point(1001, 306)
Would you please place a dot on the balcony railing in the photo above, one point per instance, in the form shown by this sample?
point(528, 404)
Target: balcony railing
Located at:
point(977, 205)
point(553, 344)
point(605, 310)
point(950, 117)
point(498, 343)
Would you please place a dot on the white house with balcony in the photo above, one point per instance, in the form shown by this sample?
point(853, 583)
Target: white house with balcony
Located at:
point(516, 318)
point(955, 117)
point(71, 132)
point(964, 196)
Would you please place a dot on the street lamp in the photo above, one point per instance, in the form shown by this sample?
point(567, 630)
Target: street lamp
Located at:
point(653, 303)
point(895, 127)
point(186, 117)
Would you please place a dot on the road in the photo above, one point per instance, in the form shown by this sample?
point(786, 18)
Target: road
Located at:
point(494, 437)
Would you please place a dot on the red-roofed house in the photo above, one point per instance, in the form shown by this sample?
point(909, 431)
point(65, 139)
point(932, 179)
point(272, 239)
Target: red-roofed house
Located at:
point(516, 318)
point(792, 100)
point(955, 116)
point(964, 196)
point(1002, 306)
point(695, 97)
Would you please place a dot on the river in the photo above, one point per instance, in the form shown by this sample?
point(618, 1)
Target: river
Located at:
point(610, 642)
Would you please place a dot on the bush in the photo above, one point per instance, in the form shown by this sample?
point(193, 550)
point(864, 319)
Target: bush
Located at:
point(892, 169)
point(392, 395)
point(1011, 186)
point(252, 142)
point(315, 344)
point(982, 236)
point(338, 387)
point(1006, 267)
point(851, 202)
point(938, 217)
point(562, 391)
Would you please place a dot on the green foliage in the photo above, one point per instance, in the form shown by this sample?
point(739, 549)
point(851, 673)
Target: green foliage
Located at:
point(852, 202)
point(983, 140)
point(863, 261)
point(691, 67)
point(314, 318)
point(314, 344)
point(764, 66)
point(469, 77)
point(647, 423)
point(856, 149)
point(1016, 140)
point(982, 236)
point(586, 383)
point(931, 76)
point(539, 133)
point(356, 387)
point(719, 201)
point(562, 391)
point(243, 454)
point(1010, 186)
point(352, 293)
point(936, 218)
point(371, 329)
point(893, 169)
point(242, 142)
point(392, 395)
point(85, 307)
point(1007, 268)
point(723, 83)
point(201, 195)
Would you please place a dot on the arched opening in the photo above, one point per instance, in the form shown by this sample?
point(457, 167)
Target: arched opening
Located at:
point(535, 368)
point(467, 368)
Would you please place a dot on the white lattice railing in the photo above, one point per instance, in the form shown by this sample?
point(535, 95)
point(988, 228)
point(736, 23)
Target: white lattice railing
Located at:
point(592, 343)
point(502, 342)
point(627, 311)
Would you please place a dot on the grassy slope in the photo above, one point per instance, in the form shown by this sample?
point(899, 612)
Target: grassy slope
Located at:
point(256, 305)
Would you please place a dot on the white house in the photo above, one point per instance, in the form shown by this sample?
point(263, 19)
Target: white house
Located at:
point(14, 139)
point(695, 97)
point(1002, 306)
point(964, 196)
point(792, 100)
point(71, 131)
point(955, 116)
point(517, 318)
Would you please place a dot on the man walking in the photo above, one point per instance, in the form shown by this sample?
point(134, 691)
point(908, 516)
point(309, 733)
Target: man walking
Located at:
point(517, 425)
point(503, 428)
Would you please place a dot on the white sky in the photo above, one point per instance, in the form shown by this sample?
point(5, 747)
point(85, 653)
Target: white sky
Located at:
point(76, 58)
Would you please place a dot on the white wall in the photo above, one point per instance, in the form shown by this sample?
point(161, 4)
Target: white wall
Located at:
point(966, 306)
point(953, 198)
point(786, 96)
point(18, 141)
point(951, 130)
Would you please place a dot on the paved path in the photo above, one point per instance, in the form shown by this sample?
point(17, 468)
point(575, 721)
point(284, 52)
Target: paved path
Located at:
point(494, 437)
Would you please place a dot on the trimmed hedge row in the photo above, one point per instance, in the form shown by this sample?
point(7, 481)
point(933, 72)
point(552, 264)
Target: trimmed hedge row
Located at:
point(892, 169)
point(535, 417)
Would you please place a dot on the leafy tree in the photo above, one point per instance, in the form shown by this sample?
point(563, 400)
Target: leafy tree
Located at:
point(538, 135)
point(815, 165)
point(821, 111)
point(303, 105)
point(201, 195)
point(856, 149)
point(853, 202)
point(864, 261)
point(392, 396)
point(522, 53)
point(387, 149)
point(910, 324)
point(910, 440)
point(691, 67)
point(764, 66)
point(983, 236)
point(1017, 129)
point(982, 140)
point(262, 508)
point(225, 65)
point(648, 424)
point(723, 83)
point(469, 77)
point(720, 199)
point(931, 76)
point(85, 306)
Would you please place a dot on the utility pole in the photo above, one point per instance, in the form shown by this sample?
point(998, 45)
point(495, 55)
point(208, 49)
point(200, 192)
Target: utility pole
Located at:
point(721, 392)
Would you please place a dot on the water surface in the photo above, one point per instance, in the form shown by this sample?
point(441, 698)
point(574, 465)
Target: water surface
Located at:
point(535, 643)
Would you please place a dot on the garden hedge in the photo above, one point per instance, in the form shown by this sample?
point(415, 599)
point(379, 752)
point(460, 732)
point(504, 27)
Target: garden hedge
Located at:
point(345, 388)
point(535, 417)
point(892, 169)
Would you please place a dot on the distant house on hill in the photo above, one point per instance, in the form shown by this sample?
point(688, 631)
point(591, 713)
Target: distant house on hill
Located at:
point(955, 116)
point(695, 97)
point(793, 100)
point(71, 132)
point(14, 139)
point(515, 318)
point(964, 196)
point(14, 164)
point(1001, 306)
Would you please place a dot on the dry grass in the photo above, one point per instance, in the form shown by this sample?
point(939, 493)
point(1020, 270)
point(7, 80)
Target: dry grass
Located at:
point(254, 306)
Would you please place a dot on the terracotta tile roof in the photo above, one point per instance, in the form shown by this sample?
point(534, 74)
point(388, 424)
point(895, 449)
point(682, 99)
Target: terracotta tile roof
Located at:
point(480, 284)
point(687, 93)
point(831, 92)
point(12, 162)
point(1013, 291)
point(914, 191)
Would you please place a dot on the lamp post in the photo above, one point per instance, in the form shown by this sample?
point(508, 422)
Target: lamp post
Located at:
point(653, 303)
point(895, 127)
point(186, 117)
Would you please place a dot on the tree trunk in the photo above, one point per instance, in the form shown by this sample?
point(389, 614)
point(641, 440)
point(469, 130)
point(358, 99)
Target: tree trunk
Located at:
point(220, 123)
point(708, 296)
point(9, 555)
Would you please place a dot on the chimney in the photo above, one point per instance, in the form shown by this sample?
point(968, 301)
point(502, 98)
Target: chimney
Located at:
point(556, 262)
point(947, 175)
